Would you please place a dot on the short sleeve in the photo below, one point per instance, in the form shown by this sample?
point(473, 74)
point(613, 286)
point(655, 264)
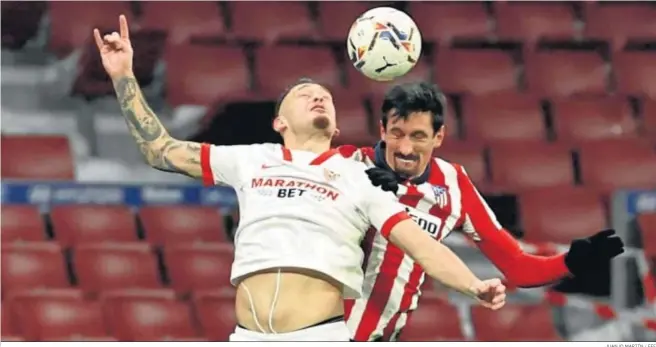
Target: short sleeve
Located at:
point(226, 164)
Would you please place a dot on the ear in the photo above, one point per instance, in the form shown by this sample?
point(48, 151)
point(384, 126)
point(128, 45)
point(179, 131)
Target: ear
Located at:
point(439, 136)
point(279, 124)
point(382, 131)
point(336, 132)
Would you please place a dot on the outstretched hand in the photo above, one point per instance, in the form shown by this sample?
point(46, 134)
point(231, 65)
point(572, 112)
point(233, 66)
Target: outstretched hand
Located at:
point(490, 293)
point(116, 50)
point(587, 255)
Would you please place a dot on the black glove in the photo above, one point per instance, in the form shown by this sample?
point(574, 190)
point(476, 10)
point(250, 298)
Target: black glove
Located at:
point(383, 178)
point(585, 255)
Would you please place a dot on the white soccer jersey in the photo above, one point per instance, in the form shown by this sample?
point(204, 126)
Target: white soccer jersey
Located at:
point(299, 209)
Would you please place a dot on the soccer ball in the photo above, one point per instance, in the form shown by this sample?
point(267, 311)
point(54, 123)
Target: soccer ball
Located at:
point(384, 43)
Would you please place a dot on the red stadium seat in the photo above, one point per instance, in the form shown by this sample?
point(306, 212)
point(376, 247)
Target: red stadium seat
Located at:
point(565, 73)
point(647, 226)
point(75, 224)
point(21, 222)
point(32, 265)
point(531, 22)
point(525, 165)
point(444, 21)
point(270, 21)
point(475, 71)
point(194, 76)
point(148, 316)
point(107, 266)
point(629, 21)
point(199, 266)
point(183, 20)
point(467, 154)
point(36, 157)
point(9, 324)
point(275, 71)
point(336, 18)
point(216, 313)
point(57, 315)
point(505, 117)
point(176, 224)
point(514, 323)
point(353, 120)
point(636, 73)
point(67, 35)
point(649, 118)
point(20, 22)
point(361, 85)
point(585, 119)
point(561, 215)
point(617, 164)
point(434, 320)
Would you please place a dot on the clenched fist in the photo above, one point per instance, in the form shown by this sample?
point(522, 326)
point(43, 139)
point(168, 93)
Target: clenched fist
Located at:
point(116, 50)
point(490, 293)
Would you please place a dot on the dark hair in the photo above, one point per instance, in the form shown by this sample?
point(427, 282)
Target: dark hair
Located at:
point(407, 98)
point(302, 80)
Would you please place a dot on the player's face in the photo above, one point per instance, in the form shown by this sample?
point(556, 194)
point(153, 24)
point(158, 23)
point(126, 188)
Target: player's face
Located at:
point(309, 107)
point(410, 143)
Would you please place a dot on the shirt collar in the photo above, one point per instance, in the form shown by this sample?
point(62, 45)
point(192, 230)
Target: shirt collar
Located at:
point(379, 161)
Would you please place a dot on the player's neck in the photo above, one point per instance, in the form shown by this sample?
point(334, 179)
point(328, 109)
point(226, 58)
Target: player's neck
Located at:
point(310, 145)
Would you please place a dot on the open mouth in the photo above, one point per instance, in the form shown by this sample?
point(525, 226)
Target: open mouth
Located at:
point(319, 108)
point(406, 161)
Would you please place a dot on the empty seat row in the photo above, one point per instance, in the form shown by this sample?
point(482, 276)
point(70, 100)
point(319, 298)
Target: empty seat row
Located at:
point(74, 224)
point(100, 267)
point(647, 228)
point(156, 315)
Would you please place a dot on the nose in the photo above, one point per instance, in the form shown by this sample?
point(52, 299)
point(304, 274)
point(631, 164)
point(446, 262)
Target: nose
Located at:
point(405, 146)
point(318, 98)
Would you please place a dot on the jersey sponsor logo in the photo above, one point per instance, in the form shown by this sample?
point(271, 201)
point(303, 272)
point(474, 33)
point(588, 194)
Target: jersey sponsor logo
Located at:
point(430, 224)
point(292, 188)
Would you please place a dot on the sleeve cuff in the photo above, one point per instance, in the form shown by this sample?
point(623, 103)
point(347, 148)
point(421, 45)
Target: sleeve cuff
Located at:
point(208, 177)
point(391, 222)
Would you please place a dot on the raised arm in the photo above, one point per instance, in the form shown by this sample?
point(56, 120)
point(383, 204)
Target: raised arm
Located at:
point(159, 149)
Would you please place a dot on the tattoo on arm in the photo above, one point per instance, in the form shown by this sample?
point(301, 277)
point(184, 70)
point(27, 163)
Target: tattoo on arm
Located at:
point(154, 142)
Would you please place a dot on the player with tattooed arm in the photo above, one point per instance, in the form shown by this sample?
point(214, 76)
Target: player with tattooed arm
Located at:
point(304, 211)
point(441, 198)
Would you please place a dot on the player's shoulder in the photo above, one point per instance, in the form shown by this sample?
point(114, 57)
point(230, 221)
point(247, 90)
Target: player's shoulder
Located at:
point(355, 152)
point(446, 165)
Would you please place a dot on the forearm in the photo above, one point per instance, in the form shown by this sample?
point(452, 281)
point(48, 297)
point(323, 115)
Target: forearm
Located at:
point(155, 144)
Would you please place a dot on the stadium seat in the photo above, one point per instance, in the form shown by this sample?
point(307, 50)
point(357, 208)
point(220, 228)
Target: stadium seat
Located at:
point(35, 157)
point(633, 164)
point(67, 35)
point(148, 316)
point(353, 121)
point(193, 76)
point(20, 22)
point(467, 154)
point(531, 22)
point(360, 85)
point(75, 224)
point(336, 18)
point(631, 21)
point(635, 73)
point(108, 266)
point(199, 266)
point(524, 165)
point(271, 21)
point(165, 225)
point(9, 325)
point(504, 117)
point(586, 119)
point(275, 71)
point(32, 265)
point(649, 118)
point(182, 20)
point(434, 320)
point(561, 215)
point(514, 323)
point(565, 73)
point(21, 222)
point(216, 313)
point(57, 315)
point(443, 22)
point(475, 71)
point(647, 227)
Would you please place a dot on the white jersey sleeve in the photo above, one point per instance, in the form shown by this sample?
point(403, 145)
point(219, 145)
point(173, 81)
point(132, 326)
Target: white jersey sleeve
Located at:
point(228, 164)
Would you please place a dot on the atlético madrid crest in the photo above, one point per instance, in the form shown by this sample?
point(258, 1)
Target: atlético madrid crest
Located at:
point(441, 195)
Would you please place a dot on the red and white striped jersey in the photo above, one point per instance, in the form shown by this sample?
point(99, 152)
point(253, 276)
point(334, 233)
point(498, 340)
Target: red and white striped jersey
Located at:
point(443, 201)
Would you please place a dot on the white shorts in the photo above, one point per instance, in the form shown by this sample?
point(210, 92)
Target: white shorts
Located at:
point(335, 331)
